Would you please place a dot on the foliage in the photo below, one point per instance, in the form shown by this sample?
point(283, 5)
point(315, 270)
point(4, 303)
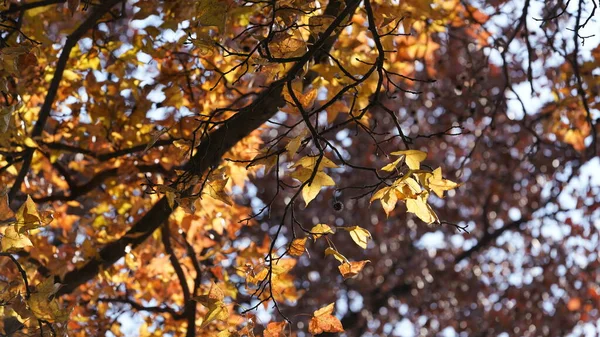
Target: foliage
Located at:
point(200, 168)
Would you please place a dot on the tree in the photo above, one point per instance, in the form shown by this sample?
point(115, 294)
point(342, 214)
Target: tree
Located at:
point(292, 167)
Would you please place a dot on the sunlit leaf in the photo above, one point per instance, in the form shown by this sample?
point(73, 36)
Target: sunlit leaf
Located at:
point(324, 321)
point(351, 269)
point(412, 158)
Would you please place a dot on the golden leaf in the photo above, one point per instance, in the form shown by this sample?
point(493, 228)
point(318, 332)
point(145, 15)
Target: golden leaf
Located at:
point(311, 190)
point(324, 321)
point(14, 240)
point(351, 269)
point(275, 329)
point(337, 255)
point(412, 158)
point(421, 208)
point(45, 307)
point(27, 216)
point(359, 235)
point(297, 247)
point(438, 184)
point(320, 230)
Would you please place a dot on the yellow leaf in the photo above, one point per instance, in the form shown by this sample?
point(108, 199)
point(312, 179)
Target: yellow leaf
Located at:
point(214, 294)
point(421, 208)
point(311, 190)
point(14, 240)
point(216, 311)
point(27, 216)
point(320, 230)
point(45, 308)
point(412, 158)
point(337, 255)
point(310, 163)
point(286, 46)
point(351, 269)
point(294, 144)
point(391, 166)
point(319, 23)
point(282, 266)
point(324, 321)
point(298, 247)
point(263, 158)
point(388, 198)
point(216, 190)
point(438, 184)
point(359, 235)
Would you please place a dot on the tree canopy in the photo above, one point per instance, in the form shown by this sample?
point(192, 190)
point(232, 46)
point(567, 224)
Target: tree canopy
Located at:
point(299, 167)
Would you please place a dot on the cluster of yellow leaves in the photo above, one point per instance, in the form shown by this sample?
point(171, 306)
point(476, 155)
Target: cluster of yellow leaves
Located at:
point(347, 268)
point(312, 176)
point(414, 186)
point(15, 236)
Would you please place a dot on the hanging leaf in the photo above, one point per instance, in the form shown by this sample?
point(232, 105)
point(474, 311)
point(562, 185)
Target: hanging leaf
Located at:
point(13, 240)
point(412, 158)
point(297, 247)
point(359, 235)
point(320, 230)
point(324, 321)
point(351, 269)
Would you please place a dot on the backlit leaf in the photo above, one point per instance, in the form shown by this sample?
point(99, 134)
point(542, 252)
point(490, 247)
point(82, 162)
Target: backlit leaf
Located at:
point(324, 321)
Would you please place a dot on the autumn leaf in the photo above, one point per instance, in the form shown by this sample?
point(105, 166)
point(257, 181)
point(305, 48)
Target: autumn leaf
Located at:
point(324, 321)
point(337, 255)
point(216, 190)
point(359, 235)
point(275, 329)
point(287, 46)
point(309, 162)
point(297, 247)
point(213, 301)
point(412, 158)
point(438, 184)
point(44, 306)
point(12, 240)
point(268, 160)
point(27, 216)
point(351, 269)
point(392, 166)
point(320, 230)
point(312, 189)
point(421, 208)
point(294, 144)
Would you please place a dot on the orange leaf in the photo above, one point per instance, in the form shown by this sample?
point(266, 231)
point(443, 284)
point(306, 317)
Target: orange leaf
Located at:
point(351, 269)
point(324, 321)
point(275, 329)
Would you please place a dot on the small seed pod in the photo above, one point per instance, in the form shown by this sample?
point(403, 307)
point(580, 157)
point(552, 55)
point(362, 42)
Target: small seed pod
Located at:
point(338, 206)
